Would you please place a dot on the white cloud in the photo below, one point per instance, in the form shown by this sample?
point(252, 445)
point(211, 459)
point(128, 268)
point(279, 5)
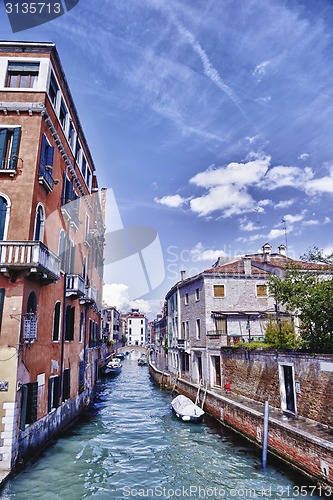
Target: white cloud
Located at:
point(275, 233)
point(228, 187)
point(260, 70)
point(200, 254)
point(117, 295)
point(173, 201)
point(285, 203)
point(304, 156)
point(320, 185)
point(282, 176)
point(246, 225)
point(311, 222)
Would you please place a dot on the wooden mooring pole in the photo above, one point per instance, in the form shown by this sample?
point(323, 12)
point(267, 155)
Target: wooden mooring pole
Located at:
point(265, 436)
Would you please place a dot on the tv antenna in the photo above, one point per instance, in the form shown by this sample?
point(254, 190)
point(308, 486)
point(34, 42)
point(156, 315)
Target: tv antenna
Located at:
point(285, 232)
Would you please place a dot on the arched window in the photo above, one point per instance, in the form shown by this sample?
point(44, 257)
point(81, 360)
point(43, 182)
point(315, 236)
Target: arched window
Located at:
point(56, 322)
point(4, 216)
point(39, 223)
point(32, 303)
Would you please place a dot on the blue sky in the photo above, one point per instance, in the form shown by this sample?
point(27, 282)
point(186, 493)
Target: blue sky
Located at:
point(211, 120)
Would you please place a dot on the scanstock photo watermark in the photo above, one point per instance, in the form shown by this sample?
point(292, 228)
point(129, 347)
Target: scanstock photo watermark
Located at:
point(23, 15)
point(215, 492)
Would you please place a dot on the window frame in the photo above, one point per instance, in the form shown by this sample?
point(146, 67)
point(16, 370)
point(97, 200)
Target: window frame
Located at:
point(32, 74)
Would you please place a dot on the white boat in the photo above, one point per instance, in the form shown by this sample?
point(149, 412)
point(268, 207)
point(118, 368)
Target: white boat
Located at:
point(186, 410)
point(143, 360)
point(113, 367)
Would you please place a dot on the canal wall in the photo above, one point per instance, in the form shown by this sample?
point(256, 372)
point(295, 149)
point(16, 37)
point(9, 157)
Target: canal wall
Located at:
point(301, 443)
point(257, 375)
point(36, 437)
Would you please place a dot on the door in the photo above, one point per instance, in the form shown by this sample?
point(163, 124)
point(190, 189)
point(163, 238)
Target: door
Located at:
point(217, 369)
point(289, 388)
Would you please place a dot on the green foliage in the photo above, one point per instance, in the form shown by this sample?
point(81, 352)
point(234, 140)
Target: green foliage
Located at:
point(310, 295)
point(281, 335)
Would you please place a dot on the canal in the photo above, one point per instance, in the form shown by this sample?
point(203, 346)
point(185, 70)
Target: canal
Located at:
point(131, 446)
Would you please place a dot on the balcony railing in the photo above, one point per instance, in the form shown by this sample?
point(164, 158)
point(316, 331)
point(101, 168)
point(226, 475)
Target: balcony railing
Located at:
point(182, 343)
point(90, 295)
point(75, 285)
point(45, 177)
point(33, 256)
point(9, 165)
point(71, 210)
point(215, 333)
point(29, 327)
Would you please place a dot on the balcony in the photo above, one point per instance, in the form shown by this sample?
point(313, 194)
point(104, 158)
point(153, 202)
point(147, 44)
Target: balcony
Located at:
point(70, 211)
point(31, 256)
point(183, 344)
point(45, 177)
point(9, 165)
point(90, 295)
point(29, 327)
point(75, 286)
point(216, 333)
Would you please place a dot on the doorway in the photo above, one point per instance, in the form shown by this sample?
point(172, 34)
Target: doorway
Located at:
point(287, 388)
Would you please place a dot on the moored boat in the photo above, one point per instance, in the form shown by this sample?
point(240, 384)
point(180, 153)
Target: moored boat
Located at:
point(112, 368)
point(143, 360)
point(186, 410)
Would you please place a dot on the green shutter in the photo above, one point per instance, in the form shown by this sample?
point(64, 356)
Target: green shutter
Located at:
point(24, 399)
point(42, 157)
point(31, 414)
point(3, 143)
point(2, 298)
point(66, 384)
point(56, 393)
point(15, 147)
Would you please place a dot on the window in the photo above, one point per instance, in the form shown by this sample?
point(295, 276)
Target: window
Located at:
point(3, 217)
point(29, 404)
point(71, 135)
point(39, 224)
point(71, 257)
point(84, 167)
point(66, 385)
point(68, 191)
point(186, 299)
point(62, 114)
point(218, 290)
point(9, 147)
point(81, 334)
point(22, 75)
point(56, 322)
point(81, 376)
point(53, 393)
point(53, 90)
point(88, 177)
point(70, 322)
point(198, 329)
point(62, 250)
point(46, 161)
point(86, 230)
point(262, 291)
point(197, 294)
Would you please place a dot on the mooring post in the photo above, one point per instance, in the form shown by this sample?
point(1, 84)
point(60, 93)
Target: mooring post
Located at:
point(265, 436)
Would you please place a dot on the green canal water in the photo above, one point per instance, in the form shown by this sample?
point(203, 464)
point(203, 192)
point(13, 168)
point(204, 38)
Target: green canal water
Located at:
point(132, 446)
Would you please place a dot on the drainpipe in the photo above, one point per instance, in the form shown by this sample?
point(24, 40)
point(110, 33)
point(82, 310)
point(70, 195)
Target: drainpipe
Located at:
point(62, 354)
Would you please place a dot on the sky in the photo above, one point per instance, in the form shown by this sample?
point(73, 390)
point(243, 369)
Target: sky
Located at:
point(209, 121)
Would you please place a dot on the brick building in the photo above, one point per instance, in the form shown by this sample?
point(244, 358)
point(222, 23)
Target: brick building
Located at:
point(51, 252)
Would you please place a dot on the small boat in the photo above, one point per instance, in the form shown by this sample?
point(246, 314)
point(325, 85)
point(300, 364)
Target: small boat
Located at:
point(186, 410)
point(121, 355)
point(142, 361)
point(113, 367)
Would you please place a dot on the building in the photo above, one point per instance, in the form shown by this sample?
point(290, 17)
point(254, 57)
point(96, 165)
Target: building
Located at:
point(112, 328)
point(225, 304)
point(136, 328)
point(51, 253)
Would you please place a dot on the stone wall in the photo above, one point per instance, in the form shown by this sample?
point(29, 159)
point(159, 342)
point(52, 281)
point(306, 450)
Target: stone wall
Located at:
point(256, 375)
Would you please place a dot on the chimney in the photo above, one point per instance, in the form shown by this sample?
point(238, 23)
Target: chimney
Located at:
point(182, 275)
point(282, 250)
point(247, 266)
point(267, 251)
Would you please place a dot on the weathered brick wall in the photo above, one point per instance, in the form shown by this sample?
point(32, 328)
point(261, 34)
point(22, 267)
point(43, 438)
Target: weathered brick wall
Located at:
point(255, 374)
point(303, 452)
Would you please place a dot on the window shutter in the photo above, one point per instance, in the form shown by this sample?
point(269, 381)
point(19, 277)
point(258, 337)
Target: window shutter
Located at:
point(3, 142)
point(24, 399)
point(63, 197)
point(49, 156)
point(72, 323)
point(50, 392)
point(15, 147)
point(42, 156)
point(56, 393)
point(66, 384)
point(3, 215)
point(2, 298)
point(31, 415)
